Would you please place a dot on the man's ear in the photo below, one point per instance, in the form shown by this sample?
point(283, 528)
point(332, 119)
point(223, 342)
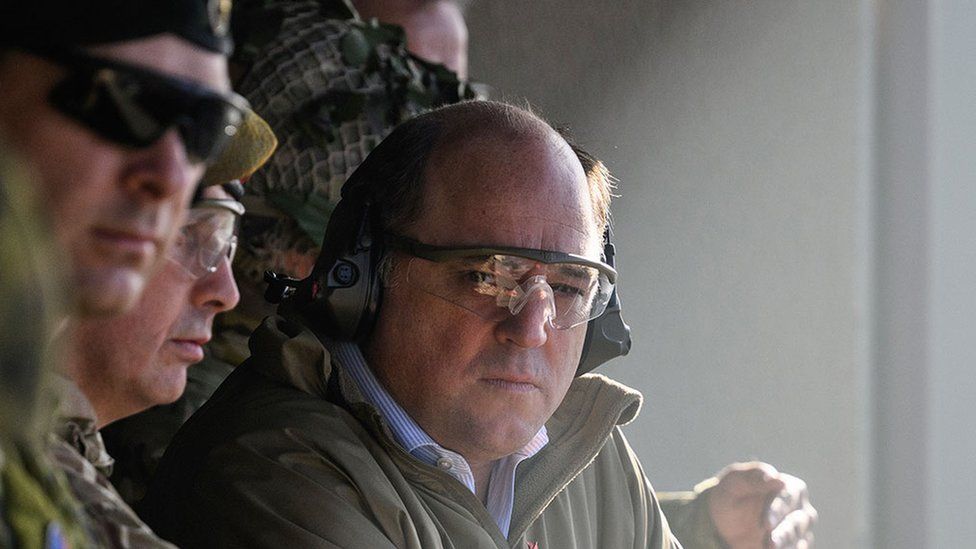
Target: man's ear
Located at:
point(391, 269)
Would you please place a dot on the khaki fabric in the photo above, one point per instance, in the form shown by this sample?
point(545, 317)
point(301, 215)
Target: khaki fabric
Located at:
point(80, 453)
point(39, 510)
point(287, 454)
point(688, 516)
point(30, 304)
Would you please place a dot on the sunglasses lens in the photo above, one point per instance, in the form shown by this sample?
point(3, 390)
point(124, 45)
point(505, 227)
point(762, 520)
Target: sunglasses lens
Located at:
point(210, 128)
point(108, 103)
point(134, 108)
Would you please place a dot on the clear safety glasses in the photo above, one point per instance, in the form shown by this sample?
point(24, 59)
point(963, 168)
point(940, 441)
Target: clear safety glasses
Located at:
point(497, 282)
point(208, 235)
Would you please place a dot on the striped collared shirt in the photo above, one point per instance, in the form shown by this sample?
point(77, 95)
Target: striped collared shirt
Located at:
point(409, 435)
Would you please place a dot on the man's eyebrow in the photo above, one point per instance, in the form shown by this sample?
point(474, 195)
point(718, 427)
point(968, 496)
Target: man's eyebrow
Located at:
point(476, 260)
point(574, 271)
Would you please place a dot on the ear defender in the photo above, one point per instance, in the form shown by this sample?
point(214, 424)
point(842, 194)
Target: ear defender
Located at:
point(341, 296)
point(607, 336)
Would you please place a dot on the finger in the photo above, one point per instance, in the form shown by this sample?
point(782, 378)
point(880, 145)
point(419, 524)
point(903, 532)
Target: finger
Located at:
point(795, 527)
point(758, 468)
point(806, 543)
point(793, 496)
point(752, 482)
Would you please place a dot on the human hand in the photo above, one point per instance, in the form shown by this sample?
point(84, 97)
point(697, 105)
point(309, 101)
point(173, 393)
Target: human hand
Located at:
point(754, 506)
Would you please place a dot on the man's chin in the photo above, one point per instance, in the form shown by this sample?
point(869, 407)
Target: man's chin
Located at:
point(169, 389)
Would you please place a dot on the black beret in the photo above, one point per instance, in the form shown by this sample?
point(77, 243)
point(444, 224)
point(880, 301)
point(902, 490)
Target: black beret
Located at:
point(48, 23)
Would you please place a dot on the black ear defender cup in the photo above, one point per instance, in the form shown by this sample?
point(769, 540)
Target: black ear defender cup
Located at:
point(347, 288)
point(607, 336)
point(341, 296)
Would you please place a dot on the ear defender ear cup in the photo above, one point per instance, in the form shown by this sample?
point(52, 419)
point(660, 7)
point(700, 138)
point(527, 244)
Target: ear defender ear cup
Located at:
point(341, 296)
point(607, 336)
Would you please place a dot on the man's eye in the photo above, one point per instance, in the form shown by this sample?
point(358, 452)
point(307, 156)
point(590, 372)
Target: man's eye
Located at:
point(568, 290)
point(480, 278)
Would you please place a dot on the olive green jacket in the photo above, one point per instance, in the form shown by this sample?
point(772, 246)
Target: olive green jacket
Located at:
point(688, 516)
point(287, 454)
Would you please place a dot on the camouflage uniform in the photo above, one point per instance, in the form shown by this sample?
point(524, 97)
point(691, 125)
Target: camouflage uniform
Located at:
point(331, 86)
point(78, 450)
point(36, 507)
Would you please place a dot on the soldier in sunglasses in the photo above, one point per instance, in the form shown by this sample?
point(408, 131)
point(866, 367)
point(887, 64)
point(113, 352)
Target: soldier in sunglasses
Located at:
point(119, 107)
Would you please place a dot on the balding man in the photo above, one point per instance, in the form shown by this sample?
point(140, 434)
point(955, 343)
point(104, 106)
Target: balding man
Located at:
point(457, 281)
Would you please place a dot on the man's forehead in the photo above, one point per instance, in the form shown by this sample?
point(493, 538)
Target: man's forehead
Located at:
point(535, 163)
point(531, 194)
point(170, 55)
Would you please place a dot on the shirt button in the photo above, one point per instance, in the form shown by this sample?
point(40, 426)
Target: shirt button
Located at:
point(444, 464)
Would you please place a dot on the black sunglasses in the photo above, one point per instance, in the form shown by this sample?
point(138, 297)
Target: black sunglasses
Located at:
point(134, 107)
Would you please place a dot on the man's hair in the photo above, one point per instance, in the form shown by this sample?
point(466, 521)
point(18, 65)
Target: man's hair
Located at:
point(599, 182)
point(396, 170)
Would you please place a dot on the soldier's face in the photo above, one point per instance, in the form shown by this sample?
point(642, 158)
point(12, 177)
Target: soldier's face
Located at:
point(113, 209)
point(484, 388)
point(436, 31)
point(132, 361)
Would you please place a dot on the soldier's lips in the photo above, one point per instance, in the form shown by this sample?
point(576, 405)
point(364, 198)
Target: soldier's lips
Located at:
point(133, 243)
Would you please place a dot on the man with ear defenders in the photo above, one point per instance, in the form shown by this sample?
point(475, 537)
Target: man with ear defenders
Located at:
point(420, 389)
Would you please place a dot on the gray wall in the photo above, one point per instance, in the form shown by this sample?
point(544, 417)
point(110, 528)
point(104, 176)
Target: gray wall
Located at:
point(741, 133)
point(796, 235)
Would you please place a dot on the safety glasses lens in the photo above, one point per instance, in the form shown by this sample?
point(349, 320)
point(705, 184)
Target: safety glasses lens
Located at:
point(204, 240)
point(497, 286)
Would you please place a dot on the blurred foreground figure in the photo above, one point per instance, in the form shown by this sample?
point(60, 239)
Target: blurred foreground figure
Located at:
point(332, 84)
point(422, 387)
point(36, 507)
point(118, 107)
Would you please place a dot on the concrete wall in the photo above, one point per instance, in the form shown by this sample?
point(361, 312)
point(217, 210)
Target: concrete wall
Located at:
point(925, 412)
point(742, 135)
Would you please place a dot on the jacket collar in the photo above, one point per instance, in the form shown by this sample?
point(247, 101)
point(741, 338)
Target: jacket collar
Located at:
point(291, 354)
point(77, 425)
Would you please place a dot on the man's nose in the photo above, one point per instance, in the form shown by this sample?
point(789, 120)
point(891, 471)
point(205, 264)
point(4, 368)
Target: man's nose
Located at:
point(530, 326)
point(216, 290)
point(163, 170)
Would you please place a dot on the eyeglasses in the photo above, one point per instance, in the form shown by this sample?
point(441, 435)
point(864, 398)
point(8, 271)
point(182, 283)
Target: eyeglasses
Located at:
point(496, 282)
point(134, 107)
point(207, 236)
